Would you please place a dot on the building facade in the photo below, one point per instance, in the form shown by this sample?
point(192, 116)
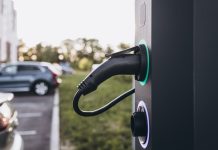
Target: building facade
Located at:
point(8, 32)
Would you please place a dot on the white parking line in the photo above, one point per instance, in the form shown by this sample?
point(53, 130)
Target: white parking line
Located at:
point(29, 115)
point(30, 132)
point(55, 139)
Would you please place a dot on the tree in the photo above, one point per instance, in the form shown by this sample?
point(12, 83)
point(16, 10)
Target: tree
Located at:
point(91, 49)
point(39, 51)
point(21, 50)
point(50, 54)
point(68, 44)
point(123, 46)
point(109, 50)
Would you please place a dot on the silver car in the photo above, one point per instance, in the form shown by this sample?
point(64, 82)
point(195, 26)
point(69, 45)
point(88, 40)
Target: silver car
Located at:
point(10, 139)
point(28, 76)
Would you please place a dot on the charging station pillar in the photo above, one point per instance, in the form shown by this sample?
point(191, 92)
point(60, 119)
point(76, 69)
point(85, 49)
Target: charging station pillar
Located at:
point(179, 98)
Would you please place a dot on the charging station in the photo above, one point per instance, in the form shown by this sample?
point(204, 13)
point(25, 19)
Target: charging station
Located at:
point(175, 108)
point(175, 65)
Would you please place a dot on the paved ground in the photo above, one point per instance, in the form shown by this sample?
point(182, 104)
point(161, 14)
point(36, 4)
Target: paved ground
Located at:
point(35, 115)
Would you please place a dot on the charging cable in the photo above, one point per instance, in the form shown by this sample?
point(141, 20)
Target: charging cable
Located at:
point(120, 63)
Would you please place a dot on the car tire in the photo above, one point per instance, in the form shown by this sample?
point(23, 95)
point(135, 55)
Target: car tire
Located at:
point(40, 88)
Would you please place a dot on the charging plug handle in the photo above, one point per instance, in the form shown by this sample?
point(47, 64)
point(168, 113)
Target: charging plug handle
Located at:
point(125, 64)
point(118, 64)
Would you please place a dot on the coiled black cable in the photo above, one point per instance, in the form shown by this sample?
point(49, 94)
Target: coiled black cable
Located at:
point(102, 109)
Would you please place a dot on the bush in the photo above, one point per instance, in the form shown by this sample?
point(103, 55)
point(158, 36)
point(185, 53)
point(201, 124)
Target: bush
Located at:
point(85, 64)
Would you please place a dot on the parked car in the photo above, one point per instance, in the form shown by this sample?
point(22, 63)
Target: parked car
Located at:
point(10, 139)
point(58, 68)
point(28, 76)
point(52, 68)
point(66, 68)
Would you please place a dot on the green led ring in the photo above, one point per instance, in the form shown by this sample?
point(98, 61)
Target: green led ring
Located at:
point(148, 63)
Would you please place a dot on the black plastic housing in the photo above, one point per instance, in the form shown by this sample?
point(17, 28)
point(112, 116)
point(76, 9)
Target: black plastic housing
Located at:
point(124, 64)
point(118, 64)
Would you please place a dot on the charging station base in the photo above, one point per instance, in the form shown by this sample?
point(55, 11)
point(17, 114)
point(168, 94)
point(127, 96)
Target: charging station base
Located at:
point(181, 93)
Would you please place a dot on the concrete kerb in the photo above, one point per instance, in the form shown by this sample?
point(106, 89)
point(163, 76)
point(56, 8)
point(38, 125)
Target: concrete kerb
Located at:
point(55, 130)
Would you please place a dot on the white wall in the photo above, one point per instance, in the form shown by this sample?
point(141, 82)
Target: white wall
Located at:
point(8, 32)
point(1, 28)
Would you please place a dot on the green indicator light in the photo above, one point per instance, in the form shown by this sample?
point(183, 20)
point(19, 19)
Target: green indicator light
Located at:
point(148, 63)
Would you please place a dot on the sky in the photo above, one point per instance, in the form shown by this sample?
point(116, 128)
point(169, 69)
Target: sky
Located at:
point(51, 21)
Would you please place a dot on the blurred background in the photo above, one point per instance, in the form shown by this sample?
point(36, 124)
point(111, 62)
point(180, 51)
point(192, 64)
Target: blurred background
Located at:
point(47, 47)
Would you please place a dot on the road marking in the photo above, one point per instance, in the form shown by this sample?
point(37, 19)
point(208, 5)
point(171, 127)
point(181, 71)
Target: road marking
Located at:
point(55, 140)
point(30, 132)
point(29, 115)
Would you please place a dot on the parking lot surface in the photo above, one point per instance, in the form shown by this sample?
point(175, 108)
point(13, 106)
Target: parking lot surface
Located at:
point(34, 115)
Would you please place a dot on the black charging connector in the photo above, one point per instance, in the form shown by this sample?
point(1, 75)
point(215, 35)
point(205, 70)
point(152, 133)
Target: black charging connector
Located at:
point(120, 63)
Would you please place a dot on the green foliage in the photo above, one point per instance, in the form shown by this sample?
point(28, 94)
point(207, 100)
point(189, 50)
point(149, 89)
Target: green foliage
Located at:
point(108, 131)
point(85, 64)
point(123, 46)
point(50, 54)
point(109, 50)
point(89, 48)
point(81, 52)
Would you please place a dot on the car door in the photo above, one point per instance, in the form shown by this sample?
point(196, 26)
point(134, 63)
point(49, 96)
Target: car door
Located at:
point(7, 77)
point(26, 75)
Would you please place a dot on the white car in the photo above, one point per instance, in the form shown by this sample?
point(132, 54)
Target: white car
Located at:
point(10, 139)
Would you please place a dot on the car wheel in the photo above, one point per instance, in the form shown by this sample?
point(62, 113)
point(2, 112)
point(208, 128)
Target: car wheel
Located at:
point(40, 88)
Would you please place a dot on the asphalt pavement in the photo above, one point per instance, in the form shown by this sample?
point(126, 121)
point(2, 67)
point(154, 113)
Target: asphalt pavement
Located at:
point(35, 117)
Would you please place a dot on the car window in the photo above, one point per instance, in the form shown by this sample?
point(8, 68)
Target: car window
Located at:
point(27, 68)
point(9, 70)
